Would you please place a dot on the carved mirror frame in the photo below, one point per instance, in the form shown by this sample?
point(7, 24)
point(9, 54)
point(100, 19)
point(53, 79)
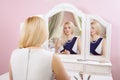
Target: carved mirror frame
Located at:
point(70, 8)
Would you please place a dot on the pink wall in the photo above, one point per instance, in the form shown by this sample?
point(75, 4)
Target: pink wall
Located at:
point(13, 12)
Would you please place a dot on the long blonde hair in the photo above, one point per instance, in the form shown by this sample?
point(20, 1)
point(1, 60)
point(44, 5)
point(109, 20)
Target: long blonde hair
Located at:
point(97, 27)
point(63, 36)
point(34, 32)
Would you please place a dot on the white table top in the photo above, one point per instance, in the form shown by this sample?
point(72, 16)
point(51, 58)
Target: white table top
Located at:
point(74, 76)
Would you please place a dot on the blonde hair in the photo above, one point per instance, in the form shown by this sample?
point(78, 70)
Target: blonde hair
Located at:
point(97, 27)
point(34, 32)
point(63, 36)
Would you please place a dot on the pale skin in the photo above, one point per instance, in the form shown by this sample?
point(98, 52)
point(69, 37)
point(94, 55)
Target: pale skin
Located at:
point(57, 67)
point(68, 32)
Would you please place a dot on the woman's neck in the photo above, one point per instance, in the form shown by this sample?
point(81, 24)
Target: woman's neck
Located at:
point(69, 37)
point(94, 37)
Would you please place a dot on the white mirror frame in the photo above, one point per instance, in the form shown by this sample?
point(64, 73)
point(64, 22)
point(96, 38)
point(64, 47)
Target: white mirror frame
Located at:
point(108, 38)
point(72, 9)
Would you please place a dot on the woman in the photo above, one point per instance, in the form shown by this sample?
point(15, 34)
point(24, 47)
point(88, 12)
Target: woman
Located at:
point(31, 61)
point(98, 43)
point(68, 43)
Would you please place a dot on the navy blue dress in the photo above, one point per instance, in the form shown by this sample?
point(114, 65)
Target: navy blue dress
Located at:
point(94, 45)
point(69, 45)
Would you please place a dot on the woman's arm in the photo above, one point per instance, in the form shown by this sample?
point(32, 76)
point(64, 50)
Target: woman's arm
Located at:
point(58, 69)
point(57, 45)
point(10, 73)
point(79, 45)
point(104, 47)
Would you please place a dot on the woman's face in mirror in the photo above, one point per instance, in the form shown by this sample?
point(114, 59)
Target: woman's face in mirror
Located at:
point(67, 30)
point(92, 30)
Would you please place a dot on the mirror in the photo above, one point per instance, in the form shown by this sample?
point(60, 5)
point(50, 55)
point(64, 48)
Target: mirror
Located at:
point(57, 25)
point(98, 39)
point(61, 18)
point(65, 13)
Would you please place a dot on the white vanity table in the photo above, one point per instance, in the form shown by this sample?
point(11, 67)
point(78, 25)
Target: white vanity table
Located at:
point(83, 63)
point(97, 70)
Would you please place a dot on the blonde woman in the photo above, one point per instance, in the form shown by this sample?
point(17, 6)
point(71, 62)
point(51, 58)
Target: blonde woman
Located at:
point(68, 43)
point(98, 42)
point(32, 62)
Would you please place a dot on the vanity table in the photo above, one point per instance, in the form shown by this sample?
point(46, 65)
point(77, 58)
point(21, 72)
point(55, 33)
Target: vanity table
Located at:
point(85, 63)
point(97, 70)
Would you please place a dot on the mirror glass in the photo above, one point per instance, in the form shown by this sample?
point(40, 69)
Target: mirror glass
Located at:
point(65, 30)
point(97, 38)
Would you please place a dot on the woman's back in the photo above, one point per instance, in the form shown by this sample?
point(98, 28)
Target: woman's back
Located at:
point(31, 64)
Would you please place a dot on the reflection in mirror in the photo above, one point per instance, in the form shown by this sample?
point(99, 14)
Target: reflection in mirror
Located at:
point(97, 39)
point(65, 33)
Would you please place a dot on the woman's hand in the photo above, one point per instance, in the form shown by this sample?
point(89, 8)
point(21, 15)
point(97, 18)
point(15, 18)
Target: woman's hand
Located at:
point(66, 52)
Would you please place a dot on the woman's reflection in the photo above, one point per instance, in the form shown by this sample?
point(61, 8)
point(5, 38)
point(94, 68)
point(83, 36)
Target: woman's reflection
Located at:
point(98, 41)
point(68, 43)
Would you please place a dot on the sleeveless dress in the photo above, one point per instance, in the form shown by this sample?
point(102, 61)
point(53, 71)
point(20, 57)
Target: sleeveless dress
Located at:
point(71, 46)
point(31, 64)
point(96, 47)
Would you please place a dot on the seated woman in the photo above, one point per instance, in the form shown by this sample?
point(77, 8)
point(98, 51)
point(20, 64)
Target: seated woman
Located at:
point(31, 61)
point(68, 43)
point(98, 42)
